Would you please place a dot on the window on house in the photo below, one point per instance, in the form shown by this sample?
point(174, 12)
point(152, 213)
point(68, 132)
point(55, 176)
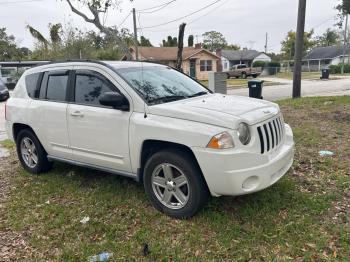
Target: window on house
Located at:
point(225, 65)
point(206, 65)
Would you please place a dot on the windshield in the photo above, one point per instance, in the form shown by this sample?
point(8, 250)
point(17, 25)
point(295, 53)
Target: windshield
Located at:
point(158, 85)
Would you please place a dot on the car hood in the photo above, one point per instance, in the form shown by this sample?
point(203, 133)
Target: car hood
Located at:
point(220, 110)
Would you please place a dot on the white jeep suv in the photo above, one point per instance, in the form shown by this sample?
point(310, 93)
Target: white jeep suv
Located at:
point(151, 123)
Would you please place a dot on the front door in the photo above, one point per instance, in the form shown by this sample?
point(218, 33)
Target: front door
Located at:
point(193, 68)
point(98, 134)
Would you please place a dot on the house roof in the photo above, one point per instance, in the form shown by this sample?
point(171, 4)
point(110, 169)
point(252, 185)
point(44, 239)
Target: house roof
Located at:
point(240, 54)
point(170, 53)
point(328, 52)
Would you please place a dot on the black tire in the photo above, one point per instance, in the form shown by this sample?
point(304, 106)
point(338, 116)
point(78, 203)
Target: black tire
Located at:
point(228, 76)
point(43, 164)
point(254, 76)
point(198, 191)
point(244, 75)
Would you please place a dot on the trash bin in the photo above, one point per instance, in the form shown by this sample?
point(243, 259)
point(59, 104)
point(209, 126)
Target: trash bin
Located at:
point(325, 73)
point(255, 88)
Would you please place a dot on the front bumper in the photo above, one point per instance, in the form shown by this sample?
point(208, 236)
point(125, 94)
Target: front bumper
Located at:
point(233, 173)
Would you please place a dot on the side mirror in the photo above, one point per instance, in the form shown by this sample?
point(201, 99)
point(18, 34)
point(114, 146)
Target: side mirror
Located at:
point(115, 100)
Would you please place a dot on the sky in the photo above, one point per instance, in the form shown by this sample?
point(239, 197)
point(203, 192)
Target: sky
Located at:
point(242, 22)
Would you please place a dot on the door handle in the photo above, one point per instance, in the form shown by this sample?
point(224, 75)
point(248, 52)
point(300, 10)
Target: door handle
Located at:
point(77, 114)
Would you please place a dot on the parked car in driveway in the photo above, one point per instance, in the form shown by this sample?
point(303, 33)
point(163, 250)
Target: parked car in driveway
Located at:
point(4, 92)
point(243, 71)
point(151, 123)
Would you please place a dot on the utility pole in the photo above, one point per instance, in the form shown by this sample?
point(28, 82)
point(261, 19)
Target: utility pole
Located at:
point(135, 34)
point(180, 46)
point(299, 42)
point(345, 42)
point(266, 40)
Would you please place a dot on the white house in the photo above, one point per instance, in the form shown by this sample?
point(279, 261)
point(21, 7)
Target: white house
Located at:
point(320, 57)
point(229, 58)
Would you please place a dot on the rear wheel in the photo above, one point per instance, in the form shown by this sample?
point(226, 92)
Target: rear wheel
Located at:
point(174, 184)
point(244, 75)
point(31, 153)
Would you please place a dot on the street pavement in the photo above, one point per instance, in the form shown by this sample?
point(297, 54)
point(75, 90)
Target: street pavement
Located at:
point(336, 87)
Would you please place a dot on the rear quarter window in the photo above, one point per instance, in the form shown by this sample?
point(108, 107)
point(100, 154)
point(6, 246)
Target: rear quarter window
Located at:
point(31, 84)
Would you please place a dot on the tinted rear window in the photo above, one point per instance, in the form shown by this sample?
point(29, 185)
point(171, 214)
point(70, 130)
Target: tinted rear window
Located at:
point(31, 84)
point(2, 85)
point(57, 87)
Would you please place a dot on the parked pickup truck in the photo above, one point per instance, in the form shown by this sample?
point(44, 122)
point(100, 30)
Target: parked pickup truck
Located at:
point(150, 123)
point(243, 71)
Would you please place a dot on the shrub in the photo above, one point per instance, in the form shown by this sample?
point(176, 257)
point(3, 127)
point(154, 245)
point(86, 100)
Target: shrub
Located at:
point(274, 64)
point(259, 64)
point(336, 69)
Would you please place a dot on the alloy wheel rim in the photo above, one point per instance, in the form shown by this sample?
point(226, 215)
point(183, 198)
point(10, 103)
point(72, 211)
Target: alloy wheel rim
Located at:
point(171, 186)
point(29, 152)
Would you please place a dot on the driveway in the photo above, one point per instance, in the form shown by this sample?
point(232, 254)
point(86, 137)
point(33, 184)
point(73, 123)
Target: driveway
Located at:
point(309, 88)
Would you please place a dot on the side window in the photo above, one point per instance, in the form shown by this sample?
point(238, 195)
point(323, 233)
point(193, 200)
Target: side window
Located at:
point(90, 86)
point(31, 84)
point(57, 87)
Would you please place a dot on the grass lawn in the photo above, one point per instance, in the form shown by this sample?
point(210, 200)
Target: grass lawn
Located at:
point(304, 217)
point(308, 75)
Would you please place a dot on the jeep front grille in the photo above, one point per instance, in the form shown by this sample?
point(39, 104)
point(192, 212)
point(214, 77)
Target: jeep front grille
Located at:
point(271, 134)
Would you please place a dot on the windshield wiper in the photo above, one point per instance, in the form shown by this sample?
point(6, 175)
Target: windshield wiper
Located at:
point(165, 99)
point(202, 93)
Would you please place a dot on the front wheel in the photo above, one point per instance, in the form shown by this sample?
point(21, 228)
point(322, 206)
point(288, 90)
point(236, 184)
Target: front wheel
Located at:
point(244, 75)
point(174, 184)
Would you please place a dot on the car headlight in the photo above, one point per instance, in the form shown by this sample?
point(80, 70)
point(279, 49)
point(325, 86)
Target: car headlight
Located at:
point(221, 141)
point(243, 133)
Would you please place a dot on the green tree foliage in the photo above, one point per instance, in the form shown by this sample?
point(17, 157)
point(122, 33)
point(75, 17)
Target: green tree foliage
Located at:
point(329, 38)
point(232, 47)
point(144, 41)
point(190, 41)
point(288, 44)
point(170, 42)
point(214, 40)
point(9, 49)
point(72, 43)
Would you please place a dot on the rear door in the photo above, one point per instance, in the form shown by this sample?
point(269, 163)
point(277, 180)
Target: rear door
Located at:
point(99, 135)
point(49, 112)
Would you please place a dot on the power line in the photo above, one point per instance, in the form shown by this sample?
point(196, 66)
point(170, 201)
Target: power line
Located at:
point(194, 20)
point(124, 20)
point(157, 6)
point(158, 9)
point(200, 17)
point(180, 18)
point(19, 2)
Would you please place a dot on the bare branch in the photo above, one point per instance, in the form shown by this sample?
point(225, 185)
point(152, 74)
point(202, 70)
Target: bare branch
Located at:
point(74, 10)
point(95, 11)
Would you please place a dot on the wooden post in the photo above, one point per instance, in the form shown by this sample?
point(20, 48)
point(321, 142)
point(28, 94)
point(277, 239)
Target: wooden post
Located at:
point(299, 49)
point(180, 46)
